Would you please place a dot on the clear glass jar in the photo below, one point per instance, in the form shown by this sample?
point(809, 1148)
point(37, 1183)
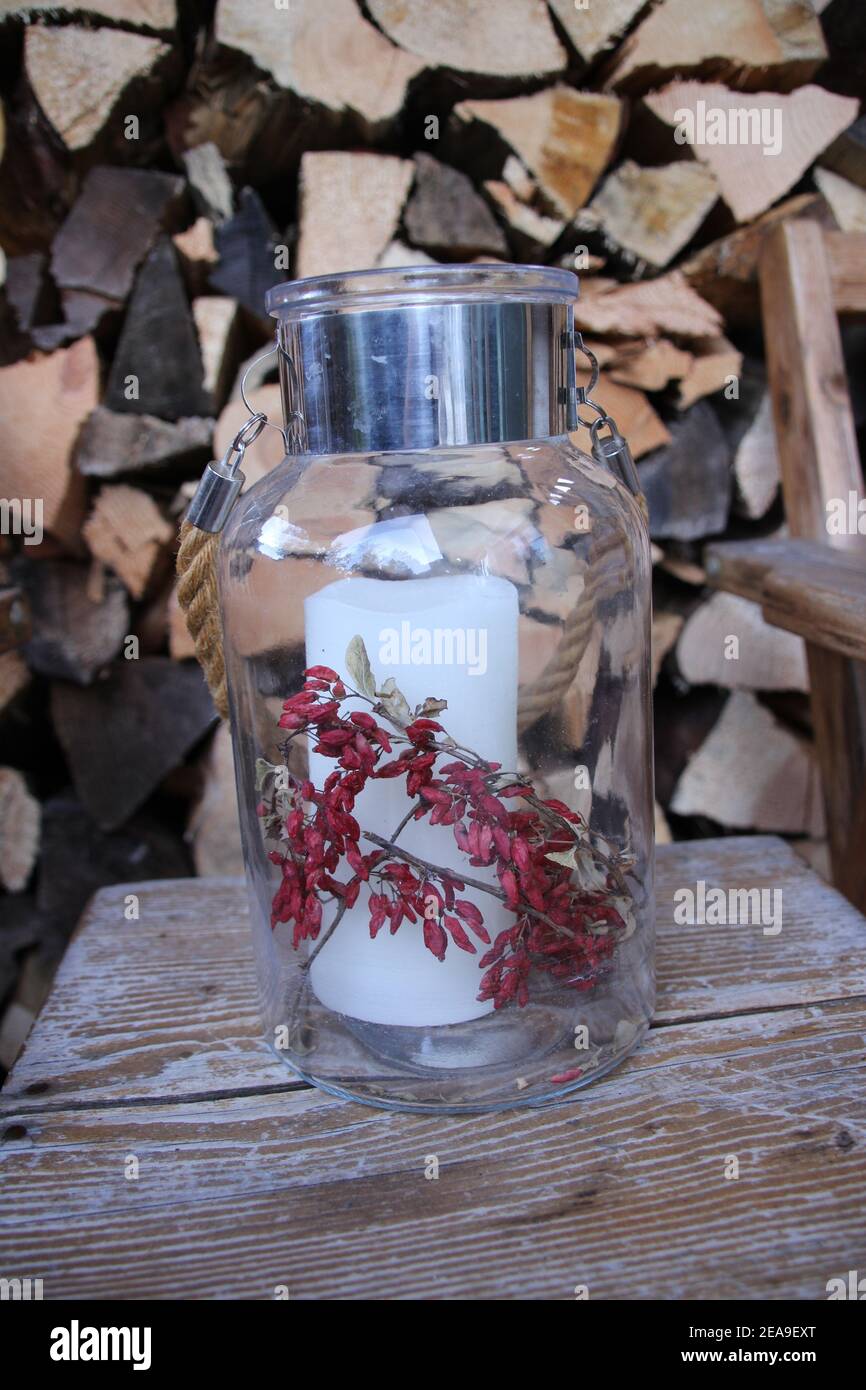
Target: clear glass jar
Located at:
point(436, 625)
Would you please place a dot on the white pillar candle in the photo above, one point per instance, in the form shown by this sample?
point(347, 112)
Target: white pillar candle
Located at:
point(454, 638)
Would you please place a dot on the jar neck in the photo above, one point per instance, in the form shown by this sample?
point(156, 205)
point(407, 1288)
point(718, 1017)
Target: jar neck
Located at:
point(429, 374)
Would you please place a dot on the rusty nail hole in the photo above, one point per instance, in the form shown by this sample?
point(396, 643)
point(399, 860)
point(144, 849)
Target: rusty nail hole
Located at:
point(14, 1132)
point(37, 1088)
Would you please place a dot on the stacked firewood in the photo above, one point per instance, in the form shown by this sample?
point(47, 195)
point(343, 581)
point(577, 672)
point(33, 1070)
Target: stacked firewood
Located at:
point(165, 162)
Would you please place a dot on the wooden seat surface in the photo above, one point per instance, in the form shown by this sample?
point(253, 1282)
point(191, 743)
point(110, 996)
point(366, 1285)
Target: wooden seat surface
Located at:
point(248, 1183)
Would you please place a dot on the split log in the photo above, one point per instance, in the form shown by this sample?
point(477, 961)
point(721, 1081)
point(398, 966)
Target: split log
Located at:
point(36, 185)
point(74, 635)
point(662, 830)
point(125, 733)
point(198, 254)
point(82, 78)
point(14, 678)
point(675, 560)
point(633, 413)
point(847, 154)
point(530, 227)
point(350, 208)
point(128, 533)
point(847, 200)
point(447, 217)
point(796, 127)
point(595, 28)
point(761, 658)
point(247, 247)
point(20, 818)
point(328, 54)
point(564, 137)
point(514, 38)
point(398, 254)
point(716, 365)
point(43, 403)
point(30, 292)
point(726, 272)
point(647, 365)
point(652, 308)
point(666, 628)
point(750, 44)
point(688, 484)
point(752, 774)
point(652, 213)
point(157, 15)
point(111, 445)
point(157, 368)
point(112, 225)
point(214, 827)
point(748, 423)
point(756, 463)
point(78, 858)
point(51, 320)
point(218, 326)
point(209, 183)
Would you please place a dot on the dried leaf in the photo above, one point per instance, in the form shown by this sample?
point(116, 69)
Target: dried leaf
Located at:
point(393, 703)
point(430, 708)
point(625, 908)
point(589, 875)
point(264, 770)
point(358, 665)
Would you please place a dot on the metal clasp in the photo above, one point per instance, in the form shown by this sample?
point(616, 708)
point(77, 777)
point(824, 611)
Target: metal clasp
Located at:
point(613, 452)
point(221, 482)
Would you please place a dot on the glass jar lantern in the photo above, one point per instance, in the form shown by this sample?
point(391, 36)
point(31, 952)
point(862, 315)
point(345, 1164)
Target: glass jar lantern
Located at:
point(436, 631)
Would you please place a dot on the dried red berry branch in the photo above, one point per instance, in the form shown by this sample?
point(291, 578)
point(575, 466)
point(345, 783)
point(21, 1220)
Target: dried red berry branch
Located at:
point(565, 889)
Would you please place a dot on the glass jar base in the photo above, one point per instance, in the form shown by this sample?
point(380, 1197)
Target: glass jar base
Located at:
point(507, 1060)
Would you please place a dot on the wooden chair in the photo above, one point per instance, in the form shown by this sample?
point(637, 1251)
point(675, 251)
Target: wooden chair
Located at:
point(151, 1146)
point(815, 583)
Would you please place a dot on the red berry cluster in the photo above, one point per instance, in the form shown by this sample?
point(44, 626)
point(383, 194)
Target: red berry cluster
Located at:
point(560, 927)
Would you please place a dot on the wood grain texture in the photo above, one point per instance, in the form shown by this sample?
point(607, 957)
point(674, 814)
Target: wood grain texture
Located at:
point(801, 586)
point(750, 43)
point(165, 1008)
point(329, 54)
point(510, 39)
point(623, 1189)
point(846, 252)
point(806, 122)
point(819, 464)
point(247, 1181)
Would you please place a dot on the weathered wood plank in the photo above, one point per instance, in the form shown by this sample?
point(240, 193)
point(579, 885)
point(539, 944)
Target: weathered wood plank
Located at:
point(165, 1007)
point(820, 465)
point(804, 587)
point(623, 1190)
point(846, 252)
